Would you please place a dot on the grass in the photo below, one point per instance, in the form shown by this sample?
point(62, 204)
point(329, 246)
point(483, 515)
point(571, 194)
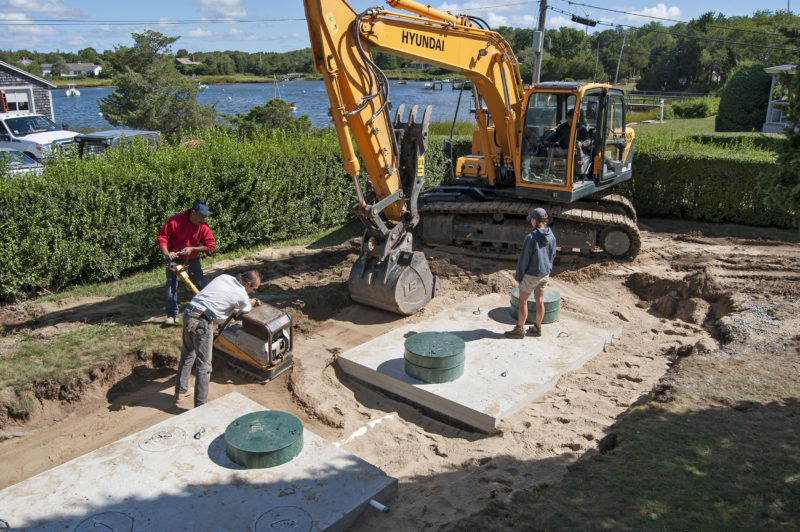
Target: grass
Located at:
point(676, 128)
point(443, 128)
point(722, 457)
point(690, 227)
point(72, 354)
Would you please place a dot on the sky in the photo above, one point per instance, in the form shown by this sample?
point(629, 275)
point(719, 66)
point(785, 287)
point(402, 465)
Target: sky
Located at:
point(279, 25)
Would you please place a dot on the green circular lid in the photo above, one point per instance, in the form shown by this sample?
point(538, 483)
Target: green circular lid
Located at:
point(549, 296)
point(263, 439)
point(435, 350)
point(433, 375)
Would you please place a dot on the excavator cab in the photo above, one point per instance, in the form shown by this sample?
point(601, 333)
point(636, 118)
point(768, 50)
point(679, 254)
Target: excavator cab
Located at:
point(574, 141)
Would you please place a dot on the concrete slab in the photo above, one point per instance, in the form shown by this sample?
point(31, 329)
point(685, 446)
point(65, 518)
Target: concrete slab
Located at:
point(501, 375)
point(176, 476)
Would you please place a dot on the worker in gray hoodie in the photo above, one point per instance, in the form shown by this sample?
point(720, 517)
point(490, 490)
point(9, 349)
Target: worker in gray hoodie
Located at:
point(533, 272)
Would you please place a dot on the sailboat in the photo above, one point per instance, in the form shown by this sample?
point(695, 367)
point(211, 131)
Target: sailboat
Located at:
point(72, 91)
point(278, 93)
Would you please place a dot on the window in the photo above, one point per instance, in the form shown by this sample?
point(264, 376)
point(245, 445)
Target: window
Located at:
point(540, 164)
point(25, 125)
point(19, 99)
point(615, 137)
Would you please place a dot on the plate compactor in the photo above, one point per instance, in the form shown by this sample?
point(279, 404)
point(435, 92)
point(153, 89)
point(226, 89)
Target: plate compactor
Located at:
point(260, 346)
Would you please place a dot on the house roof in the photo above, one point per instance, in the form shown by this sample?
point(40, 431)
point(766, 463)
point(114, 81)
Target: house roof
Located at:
point(75, 67)
point(187, 61)
point(82, 67)
point(782, 69)
point(27, 74)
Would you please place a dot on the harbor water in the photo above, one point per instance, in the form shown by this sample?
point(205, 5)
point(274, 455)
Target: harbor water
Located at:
point(310, 98)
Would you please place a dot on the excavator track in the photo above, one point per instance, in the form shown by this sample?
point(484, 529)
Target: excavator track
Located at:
point(596, 225)
point(617, 200)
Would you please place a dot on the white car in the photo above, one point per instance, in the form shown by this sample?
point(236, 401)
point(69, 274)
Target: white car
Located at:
point(15, 163)
point(34, 135)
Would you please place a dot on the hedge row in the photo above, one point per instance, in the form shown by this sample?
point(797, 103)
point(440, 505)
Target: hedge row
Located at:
point(96, 219)
point(742, 141)
point(90, 220)
point(708, 178)
point(694, 108)
point(705, 182)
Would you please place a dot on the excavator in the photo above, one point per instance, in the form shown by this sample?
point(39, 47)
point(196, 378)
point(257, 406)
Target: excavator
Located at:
point(516, 163)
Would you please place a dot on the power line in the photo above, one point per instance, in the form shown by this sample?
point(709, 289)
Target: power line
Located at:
point(670, 19)
point(62, 22)
point(686, 35)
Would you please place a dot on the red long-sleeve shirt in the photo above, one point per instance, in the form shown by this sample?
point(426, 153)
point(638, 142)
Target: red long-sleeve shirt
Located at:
point(179, 232)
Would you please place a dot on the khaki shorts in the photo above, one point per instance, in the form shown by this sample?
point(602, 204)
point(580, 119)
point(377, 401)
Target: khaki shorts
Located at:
point(530, 283)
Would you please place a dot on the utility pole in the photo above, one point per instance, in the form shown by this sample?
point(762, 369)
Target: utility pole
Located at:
point(597, 57)
point(620, 57)
point(537, 65)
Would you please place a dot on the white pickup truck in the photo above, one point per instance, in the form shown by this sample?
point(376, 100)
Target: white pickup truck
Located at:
point(34, 135)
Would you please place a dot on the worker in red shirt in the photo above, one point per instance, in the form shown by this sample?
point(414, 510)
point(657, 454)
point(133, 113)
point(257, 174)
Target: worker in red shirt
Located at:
point(181, 240)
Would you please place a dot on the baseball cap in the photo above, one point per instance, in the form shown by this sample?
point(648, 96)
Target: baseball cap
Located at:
point(201, 208)
point(538, 213)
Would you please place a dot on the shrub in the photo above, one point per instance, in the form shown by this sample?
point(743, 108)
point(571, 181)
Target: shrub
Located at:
point(678, 177)
point(741, 141)
point(696, 107)
point(744, 99)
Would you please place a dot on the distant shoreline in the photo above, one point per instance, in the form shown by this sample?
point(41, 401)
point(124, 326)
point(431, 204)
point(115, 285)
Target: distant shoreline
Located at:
point(104, 83)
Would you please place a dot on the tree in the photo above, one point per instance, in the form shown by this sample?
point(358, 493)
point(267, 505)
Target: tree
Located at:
point(744, 99)
point(59, 67)
point(151, 93)
point(276, 114)
point(88, 55)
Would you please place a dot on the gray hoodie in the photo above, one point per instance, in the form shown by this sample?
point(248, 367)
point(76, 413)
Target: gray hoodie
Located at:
point(538, 252)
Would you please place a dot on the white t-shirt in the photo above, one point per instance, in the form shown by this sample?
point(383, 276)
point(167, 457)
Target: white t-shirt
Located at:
point(222, 297)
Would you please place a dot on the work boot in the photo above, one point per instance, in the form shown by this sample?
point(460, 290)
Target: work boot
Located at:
point(534, 330)
point(517, 333)
point(171, 321)
point(180, 396)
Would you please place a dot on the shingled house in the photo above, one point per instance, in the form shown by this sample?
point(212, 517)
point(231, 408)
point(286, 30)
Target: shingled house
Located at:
point(26, 92)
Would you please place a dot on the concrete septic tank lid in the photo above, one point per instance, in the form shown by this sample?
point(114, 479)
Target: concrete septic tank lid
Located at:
point(263, 439)
point(434, 357)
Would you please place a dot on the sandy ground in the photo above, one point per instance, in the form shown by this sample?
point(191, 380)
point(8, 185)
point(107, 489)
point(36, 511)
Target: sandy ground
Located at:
point(683, 294)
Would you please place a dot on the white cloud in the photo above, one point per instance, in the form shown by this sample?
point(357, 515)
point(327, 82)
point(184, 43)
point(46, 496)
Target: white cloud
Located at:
point(77, 42)
point(199, 33)
point(560, 21)
point(659, 10)
point(53, 8)
point(19, 24)
point(223, 8)
point(495, 20)
point(516, 15)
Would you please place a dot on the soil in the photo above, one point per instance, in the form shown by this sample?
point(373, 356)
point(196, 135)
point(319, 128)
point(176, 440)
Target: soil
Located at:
point(683, 296)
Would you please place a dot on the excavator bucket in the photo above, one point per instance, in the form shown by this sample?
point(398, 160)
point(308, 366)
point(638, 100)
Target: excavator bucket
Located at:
point(395, 277)
point(402, 284)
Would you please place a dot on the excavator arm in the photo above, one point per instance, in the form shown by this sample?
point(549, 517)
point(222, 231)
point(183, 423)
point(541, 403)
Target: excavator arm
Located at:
point(389, 274)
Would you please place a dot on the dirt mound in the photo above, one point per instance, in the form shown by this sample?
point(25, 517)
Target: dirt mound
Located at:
point(697, 298)
point(21, 406)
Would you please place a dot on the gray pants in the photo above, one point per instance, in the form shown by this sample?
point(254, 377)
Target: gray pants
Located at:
point(198, 339)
